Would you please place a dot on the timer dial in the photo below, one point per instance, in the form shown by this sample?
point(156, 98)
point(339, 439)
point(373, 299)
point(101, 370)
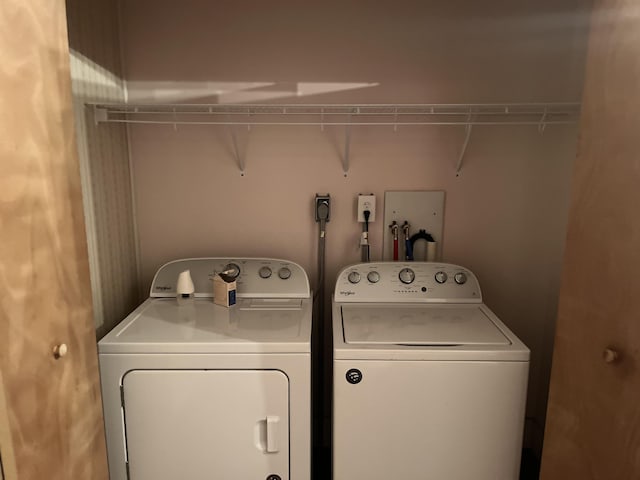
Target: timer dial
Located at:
point(232, 270)
point(407, 276)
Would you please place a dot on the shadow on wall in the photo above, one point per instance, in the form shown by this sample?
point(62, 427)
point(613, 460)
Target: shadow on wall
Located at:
point(233, 92)
point(405, 51)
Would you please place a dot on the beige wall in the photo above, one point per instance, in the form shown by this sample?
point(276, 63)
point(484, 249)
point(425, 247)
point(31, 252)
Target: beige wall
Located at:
point(505, 215)
point(96, 72)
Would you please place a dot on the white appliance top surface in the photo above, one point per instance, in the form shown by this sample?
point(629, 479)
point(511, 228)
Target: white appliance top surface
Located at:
point(169, 325)
point(417, 311)
point(444, 325)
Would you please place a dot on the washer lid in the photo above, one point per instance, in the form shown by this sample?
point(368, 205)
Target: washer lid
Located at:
point(420, 325)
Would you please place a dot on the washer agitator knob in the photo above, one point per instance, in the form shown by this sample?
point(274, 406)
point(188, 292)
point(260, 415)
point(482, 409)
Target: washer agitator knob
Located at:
point(284, 273)
point(441, 277)
point(407, 275)
point(232, 270)
point(264, 272)
point(373, 277)
point(460, 278)
point(354, 277)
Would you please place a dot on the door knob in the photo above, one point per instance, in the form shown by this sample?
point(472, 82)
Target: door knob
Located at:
point(60, 350)
point(610, 355)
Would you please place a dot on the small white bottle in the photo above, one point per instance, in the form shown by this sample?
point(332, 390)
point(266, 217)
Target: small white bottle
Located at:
point(184, 287)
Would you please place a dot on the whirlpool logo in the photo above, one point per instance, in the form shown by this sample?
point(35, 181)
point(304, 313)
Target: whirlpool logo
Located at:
point(346, 293)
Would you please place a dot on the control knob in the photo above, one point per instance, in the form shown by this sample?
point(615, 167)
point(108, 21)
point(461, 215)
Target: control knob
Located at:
point(232, 270)
point(265, 272)
point(284, 273)
point(407, 275)
point(373, 277)
point(441, 277)
point(354, 277)
point(460, 278)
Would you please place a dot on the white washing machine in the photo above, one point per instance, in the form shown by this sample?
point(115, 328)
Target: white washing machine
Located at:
point(193, 390)
point(427, 382)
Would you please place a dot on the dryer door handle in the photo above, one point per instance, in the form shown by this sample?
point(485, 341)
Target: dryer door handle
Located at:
point(272, 433)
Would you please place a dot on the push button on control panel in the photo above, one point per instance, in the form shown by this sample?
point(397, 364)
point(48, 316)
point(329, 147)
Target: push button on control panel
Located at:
point(354, 376)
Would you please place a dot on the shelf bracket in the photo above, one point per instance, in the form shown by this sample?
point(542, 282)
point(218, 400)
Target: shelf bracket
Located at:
point(100, 114)
point(542, 125)
point(347, 148)
point(236, 151)
point(465, 144)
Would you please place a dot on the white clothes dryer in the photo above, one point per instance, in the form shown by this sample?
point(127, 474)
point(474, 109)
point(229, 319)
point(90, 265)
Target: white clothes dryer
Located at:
point(427, 382)
point(194, 390)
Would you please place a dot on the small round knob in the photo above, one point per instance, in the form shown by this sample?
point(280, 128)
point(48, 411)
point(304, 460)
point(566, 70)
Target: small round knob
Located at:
point(460, 278)
point(284, 273)
point(354, 277)
point(441, 277)
point(373, 277)
point(407, 276)
point(610, 355)
point(60, 351)
point(264, 272)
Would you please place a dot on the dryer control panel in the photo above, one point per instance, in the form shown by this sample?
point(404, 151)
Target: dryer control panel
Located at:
point(416, 282)
point(255, 277)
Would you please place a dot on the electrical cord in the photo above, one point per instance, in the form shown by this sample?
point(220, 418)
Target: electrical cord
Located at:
point(366, 250)
point(318, 336)
point(323, 215)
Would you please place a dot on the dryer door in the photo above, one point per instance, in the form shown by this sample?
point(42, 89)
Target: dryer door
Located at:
point(213, 424)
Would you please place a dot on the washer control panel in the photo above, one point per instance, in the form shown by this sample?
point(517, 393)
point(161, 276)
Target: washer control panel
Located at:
point(255, 277)
point(420, 282)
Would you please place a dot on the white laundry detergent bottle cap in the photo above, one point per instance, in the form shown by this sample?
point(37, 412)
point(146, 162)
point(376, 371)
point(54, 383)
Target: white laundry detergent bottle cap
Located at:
point(185, 283)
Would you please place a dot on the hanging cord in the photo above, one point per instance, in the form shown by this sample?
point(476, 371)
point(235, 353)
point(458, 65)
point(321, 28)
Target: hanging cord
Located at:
point(318, 337)
point(323, 215)
point(364, 243)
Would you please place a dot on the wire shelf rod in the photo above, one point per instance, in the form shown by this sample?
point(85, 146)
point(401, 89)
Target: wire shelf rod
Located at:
point(328, 124)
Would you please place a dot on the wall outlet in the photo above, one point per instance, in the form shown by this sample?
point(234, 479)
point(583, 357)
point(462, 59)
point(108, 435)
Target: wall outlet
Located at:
point(322, 199)
point(367, 202)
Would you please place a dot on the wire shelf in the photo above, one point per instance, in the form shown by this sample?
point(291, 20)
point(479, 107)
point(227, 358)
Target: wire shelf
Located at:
point(339, 115)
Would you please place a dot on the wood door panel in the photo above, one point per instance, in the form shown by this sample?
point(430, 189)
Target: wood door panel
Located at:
point(593, 418)
point(53, 405)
